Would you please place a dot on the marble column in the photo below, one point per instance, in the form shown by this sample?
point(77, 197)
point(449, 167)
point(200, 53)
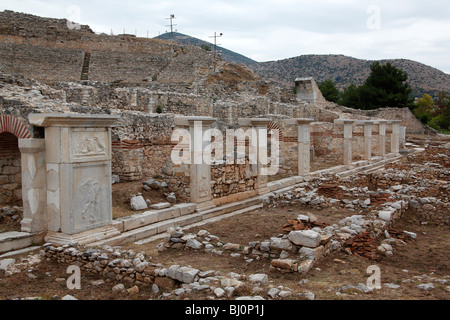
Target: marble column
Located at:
point(382, 137)
point(304, 145)
point(395, 137)
point(261, 143)
point(402, 137)
point(200, 171)
point(368, 140)
point(348, 137)
point(34, 185)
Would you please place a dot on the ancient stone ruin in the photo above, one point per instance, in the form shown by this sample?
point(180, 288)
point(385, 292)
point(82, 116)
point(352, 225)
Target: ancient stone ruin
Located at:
point(81, 111)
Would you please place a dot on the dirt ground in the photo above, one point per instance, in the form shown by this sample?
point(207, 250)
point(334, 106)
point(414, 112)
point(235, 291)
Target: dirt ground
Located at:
point(123, 192)
point(427, 255)
point(424, 260)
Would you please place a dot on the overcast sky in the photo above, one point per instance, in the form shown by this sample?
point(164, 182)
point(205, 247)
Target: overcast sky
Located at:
point(267, 30)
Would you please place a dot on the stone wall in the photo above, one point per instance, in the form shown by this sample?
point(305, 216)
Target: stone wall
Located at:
point(109, 66)
point(142, 149)
point(144, 139)
point(31, 26)
point(228, 179)
point(10, 169)
point(328, 141)
point(412, 124)
point(41, 63)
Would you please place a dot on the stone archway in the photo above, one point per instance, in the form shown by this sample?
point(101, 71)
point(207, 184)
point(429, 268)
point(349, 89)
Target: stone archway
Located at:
point(10, 170)
point(11, 130)
point(15, 126)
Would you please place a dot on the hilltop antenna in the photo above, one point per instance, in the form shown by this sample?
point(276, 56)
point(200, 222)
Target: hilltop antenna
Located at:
point(215, 47)
point(171, 25)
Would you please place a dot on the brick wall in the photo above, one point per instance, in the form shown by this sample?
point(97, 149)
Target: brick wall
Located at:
point(10, 169)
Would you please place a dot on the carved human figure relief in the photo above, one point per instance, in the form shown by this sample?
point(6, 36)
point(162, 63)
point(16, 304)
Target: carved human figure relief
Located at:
point(86, 199)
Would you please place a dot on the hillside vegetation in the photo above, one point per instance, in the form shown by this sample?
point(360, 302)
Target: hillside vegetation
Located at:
point(344, 71)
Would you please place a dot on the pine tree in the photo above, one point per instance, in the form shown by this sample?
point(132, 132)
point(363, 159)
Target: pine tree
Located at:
point(386, 86)
point(329, 91)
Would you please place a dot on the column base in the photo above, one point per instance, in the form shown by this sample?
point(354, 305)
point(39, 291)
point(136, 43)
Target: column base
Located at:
point(82, 238)
point(264, 190)
point(203, 206)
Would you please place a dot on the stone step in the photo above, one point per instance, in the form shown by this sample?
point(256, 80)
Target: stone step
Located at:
point(153, 216)
point(158, 228)
point(15, 240)
point(203, 222)
point(230, 207)
point(85, 67)
point(363, 166)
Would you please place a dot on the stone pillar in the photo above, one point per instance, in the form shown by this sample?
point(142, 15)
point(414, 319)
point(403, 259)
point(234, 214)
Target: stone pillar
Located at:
point(261, 143)
point(200, 172)
point(382, 137)
point(78, 164)
point(34, 186)
point(395, 137)
point(368, 140)
point(304, 146)
point(348, 137)
point(402, 137)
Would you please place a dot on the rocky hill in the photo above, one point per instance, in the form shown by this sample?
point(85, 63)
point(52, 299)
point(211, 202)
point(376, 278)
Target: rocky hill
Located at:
point(344, 70)
point(226, 54)
point(47, 50)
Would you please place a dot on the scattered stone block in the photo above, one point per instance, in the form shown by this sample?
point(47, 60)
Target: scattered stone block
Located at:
point(280, 244)
point(183, 274)
point(159, 206)
point(285, 264)
point(138, 203)
point(261, 278)
point(171, 198)
point(307, 238)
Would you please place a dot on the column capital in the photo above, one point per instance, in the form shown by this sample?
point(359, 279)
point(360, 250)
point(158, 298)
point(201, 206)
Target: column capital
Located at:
point(344, 121)
point(255, 122)
point(187, 121)
point(364, 122)
point(380, 122)
point(393, 121)
point(259, 122)
point(72, 120)
point(301, 121)
point(31, 145)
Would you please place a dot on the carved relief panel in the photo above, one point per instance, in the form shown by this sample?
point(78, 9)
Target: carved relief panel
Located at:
point(91, 196)
point(89, 145)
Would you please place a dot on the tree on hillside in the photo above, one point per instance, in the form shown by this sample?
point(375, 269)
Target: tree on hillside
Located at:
point(423, 108)
point(351, 97)
point(386, 86)
point(441, 112)
point(435, 114)
point(329, 91)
